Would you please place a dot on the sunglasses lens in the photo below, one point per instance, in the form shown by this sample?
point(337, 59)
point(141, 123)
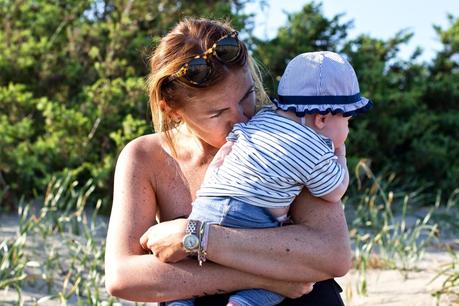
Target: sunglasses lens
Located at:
point(198, 70)
point(227, 49)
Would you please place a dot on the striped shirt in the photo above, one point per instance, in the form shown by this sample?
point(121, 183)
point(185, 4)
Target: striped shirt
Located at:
point(271, 160)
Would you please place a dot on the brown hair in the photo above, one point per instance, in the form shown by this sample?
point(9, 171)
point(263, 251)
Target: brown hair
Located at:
point(189, 38)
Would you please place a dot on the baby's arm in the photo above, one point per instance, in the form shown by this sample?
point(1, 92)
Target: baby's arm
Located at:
point(337, 193)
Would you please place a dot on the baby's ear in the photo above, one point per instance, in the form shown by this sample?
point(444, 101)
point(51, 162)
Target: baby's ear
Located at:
point(320, 121)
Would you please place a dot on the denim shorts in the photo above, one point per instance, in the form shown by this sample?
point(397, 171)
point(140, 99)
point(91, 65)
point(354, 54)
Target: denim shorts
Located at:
point(229, 212)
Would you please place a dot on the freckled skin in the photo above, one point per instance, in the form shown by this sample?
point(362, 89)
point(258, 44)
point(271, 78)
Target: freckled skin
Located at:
point(151, 185)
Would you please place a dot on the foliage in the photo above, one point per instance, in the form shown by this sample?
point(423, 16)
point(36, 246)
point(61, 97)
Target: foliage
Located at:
point(72, 90)
point(305, 31)
point(404, 132)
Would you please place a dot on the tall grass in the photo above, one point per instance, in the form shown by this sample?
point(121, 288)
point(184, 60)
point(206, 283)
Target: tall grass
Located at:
point(384, 235)
point(13, 263)
point(69, 269)
point(450, 271)
point(450, 285)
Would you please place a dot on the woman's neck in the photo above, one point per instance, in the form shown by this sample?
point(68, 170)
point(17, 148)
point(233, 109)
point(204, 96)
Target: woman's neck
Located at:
point(191, 148)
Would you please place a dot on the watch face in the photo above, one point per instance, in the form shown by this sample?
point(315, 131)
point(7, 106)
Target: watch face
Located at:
point(190, 242)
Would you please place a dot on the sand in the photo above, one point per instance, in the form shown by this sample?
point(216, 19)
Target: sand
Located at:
point(394, 288)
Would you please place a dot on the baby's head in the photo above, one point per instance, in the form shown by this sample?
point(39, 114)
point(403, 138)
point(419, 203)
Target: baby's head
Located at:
point(323, 88)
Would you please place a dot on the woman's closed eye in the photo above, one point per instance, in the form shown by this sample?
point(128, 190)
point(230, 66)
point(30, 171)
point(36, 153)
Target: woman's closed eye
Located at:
point(244, 99)
point(217, 114)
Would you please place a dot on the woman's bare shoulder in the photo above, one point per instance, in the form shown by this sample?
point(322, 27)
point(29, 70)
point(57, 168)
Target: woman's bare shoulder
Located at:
point(143, 148)
point(146, 162)
point(144, 154)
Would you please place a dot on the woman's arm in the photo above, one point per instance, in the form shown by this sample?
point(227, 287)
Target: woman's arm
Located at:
point(132, 274)
point(146, 279)
point(315, 248)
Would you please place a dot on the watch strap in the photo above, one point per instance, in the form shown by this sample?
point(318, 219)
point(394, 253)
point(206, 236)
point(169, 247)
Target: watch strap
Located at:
point(193, 227)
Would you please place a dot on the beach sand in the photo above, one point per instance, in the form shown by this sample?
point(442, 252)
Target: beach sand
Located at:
point(394, 288)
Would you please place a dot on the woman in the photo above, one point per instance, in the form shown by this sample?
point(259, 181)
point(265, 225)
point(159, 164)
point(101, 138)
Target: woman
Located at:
point(198, 90)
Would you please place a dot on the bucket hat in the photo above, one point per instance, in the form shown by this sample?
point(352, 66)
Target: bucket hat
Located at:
point(320, 83)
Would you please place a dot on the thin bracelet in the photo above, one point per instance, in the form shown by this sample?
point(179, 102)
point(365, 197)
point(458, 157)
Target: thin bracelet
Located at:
point(204, 238)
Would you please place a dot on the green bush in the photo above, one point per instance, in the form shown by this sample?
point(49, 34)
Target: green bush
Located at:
point(72, 90)
point(72, 85)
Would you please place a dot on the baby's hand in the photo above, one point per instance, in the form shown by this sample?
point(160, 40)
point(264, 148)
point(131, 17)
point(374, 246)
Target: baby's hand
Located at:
point(221, 154)
point(341, 150)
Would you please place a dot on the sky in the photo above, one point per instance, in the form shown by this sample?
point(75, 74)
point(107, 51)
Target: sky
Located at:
point(377, 18)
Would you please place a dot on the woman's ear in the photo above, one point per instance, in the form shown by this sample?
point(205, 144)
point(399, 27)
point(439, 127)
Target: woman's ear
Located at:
point(169, 112)
point(164, 107)
point(320, 121)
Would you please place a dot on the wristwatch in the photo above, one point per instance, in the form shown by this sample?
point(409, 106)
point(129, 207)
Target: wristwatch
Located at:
point(191, 240)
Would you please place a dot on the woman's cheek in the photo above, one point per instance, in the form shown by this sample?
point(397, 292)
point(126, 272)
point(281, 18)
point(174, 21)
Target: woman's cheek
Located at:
point(250, 108)
point(219, 132)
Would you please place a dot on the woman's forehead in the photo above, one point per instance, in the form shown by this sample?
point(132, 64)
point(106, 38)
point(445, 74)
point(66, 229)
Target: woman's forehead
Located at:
point(229, 91)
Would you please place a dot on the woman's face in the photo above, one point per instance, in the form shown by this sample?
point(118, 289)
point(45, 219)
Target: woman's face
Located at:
point(212, 114)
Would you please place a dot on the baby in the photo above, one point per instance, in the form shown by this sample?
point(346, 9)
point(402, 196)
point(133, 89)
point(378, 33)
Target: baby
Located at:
point(299, 142)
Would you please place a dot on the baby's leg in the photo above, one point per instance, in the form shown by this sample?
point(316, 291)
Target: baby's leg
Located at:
point(233, 213)
point(255, 297)
point(240, 214)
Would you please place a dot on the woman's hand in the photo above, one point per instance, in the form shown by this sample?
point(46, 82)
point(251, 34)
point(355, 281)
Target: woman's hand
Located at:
point(164, 240)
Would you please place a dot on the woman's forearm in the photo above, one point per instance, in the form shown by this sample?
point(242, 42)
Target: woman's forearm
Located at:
point(144, 278)
point(315, 248)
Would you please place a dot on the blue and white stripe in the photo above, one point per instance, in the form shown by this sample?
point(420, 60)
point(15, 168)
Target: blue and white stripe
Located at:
point(272, 159)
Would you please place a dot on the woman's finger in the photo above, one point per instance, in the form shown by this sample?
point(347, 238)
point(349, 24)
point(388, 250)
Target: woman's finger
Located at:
point(144, 240)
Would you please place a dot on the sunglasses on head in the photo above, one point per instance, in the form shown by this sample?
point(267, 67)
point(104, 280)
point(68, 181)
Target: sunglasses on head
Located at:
point(198, 69)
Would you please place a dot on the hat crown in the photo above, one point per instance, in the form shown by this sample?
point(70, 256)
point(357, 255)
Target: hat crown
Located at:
point(322, 73)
